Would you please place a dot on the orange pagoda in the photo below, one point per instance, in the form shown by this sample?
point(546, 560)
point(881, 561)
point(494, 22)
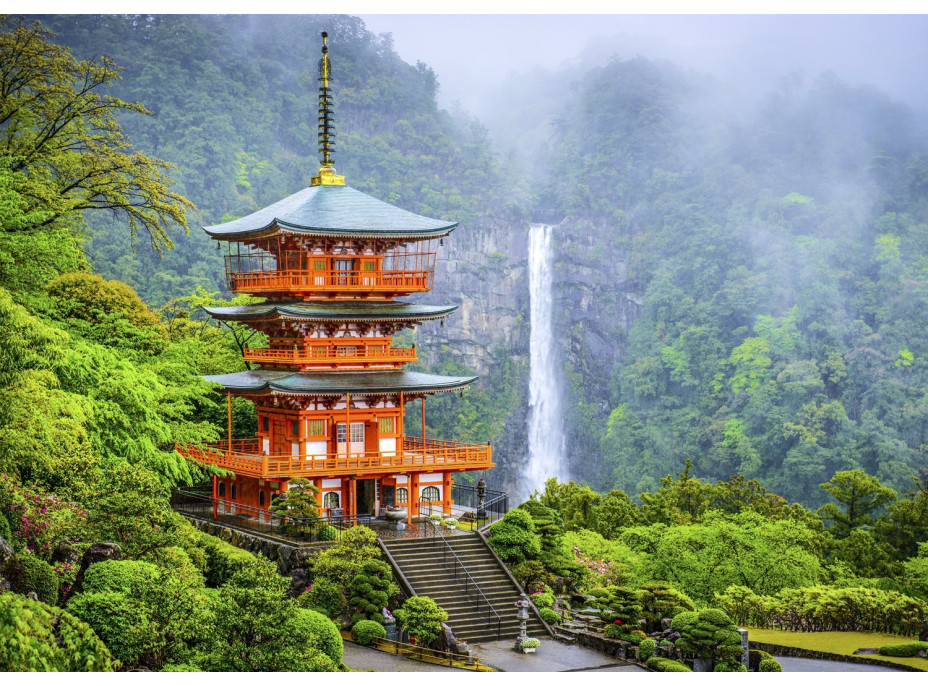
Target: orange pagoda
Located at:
point(330, 390)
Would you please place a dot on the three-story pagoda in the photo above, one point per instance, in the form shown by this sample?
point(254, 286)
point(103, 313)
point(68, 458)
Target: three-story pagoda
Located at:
point(330, 390)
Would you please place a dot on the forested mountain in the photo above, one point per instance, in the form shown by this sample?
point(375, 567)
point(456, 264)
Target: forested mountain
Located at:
point(739, 283)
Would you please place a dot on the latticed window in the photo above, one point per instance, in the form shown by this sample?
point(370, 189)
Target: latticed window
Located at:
point(385, 425)
point(316, 427)
point(341, 433)
point(296, 427)
point(369, 265)
point(431, 493)
point(330, 499)
point(319, 265)
point(357, 432)
point(402, 496)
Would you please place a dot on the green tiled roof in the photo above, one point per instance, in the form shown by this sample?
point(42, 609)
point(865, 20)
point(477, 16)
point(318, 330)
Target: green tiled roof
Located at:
point(343, 311)
point(332, 211)
point(337, 383)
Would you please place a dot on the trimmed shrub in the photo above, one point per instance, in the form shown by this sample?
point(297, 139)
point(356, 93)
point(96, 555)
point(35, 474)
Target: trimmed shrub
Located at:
point(708, 634)
point(27, 573)
point(366, 631)
point(370, 591)
point(541, 595)
point(181, 668)
point(328, 533)
point(120, 576)
point(904, 649)
point(726, 666)
point(323, 596)
point(549, 615)
point(321, 632)
point(769, 665)
point(223, 560)
point(617, 603)
point(665, 664)
point(514, 537)
point(658, 601)
point(120, 620)
point(532, 571)
point(420, 616)
point(646, 649)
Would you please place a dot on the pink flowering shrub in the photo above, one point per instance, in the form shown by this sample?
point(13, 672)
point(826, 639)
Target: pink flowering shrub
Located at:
point(602, 572)
point(39, 520)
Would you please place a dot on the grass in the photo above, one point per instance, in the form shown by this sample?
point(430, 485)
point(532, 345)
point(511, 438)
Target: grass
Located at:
point(838, 643)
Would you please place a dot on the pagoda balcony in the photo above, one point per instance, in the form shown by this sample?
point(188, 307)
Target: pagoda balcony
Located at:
point(333, 356)
point(308, 282)
point(244, 457)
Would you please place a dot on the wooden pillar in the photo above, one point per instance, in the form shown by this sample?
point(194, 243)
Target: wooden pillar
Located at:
point(352, 497)
point(229, 398)
point(423, 428)
point(446, 501)
point(414, 493)
point(215, 496)
point(401, 449)
point(318, 484)
point(408, 498)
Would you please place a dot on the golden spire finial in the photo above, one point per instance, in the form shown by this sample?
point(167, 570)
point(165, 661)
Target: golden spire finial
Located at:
point(327, 175)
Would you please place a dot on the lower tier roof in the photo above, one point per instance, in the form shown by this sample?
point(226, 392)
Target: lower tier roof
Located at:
point(338, 383)
point(362, 311)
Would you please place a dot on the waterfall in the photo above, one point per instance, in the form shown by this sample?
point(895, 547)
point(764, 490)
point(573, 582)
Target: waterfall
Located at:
point(546, 441)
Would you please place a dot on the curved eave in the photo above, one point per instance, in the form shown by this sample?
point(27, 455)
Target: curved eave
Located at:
point(263, 381)
point(362, 313)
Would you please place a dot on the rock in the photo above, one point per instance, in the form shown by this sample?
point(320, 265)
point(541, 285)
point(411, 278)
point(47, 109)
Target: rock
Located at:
point(665, 623)
point(867, 651)
point(923, 634)
point(673, 636)
point(921, 653)
point(98, 552)
point(6, 553)
point(65, 553)
point(299, 582)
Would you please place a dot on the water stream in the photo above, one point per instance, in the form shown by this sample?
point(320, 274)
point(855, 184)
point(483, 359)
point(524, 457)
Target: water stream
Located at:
point(546, 441)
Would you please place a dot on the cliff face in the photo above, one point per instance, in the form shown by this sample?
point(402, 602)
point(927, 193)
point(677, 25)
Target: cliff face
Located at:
point(484, 270)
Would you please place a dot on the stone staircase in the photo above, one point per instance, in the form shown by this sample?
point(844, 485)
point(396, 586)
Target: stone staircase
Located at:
point(430, 570)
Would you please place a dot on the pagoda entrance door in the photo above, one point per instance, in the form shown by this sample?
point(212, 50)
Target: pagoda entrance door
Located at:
point(353, 443)
point(367, 496)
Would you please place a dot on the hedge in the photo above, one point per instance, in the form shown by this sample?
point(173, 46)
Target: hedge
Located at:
point(318, 628)
point(549, 615)
point(27, 573)
point(904, 649)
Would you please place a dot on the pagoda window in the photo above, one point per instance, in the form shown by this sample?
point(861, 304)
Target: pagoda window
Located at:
point(222, 490)
point(261, 498)
point(296, 427)
point(385, 425)
point(402, 495)
point(330, 500)
point(431, 493)
point(346, 351)
point(357, 432)
point(315, 428)
point(343, 270)
point(233, 491)
point(265, 424)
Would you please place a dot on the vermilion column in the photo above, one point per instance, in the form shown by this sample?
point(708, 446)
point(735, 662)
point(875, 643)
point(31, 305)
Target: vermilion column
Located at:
point(215, 497)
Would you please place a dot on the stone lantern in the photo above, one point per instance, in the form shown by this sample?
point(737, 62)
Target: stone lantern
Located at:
point(522, 614)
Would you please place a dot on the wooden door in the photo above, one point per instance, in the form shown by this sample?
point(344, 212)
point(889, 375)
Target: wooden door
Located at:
point(350, 441)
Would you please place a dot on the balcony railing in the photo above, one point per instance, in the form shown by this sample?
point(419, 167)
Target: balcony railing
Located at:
point(333, 355)
point(304, 281)
point(244, 457)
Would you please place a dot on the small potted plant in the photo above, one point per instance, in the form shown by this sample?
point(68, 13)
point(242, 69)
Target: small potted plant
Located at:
point(451, 522)
point(530, 644)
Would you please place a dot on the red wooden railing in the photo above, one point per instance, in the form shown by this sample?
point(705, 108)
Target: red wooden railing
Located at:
point(332, 355)
point(244, 457)
point(330, 280)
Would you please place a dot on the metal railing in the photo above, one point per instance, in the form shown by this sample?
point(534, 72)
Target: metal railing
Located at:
point(466, 499)
point(243, 456)
point(471, 589)
point(431, 655)
point(197, 502)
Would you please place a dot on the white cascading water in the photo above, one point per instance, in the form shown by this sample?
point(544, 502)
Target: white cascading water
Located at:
point(546, 442)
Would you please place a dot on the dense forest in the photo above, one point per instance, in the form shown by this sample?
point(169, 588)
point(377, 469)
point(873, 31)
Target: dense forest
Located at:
point(741, 294)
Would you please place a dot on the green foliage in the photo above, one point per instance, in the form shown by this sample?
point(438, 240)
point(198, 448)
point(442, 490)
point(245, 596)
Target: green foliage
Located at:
point(541, 595)
point(531, 643)
point(904, 649)
point(35, 637)
point(27, 573)
point(324, 596)
point(121, 621)
point(420, 616)
point(366, 632)
point(860, 495)
point(769, 665)
point(298, 501)
point(605, 563)
point(646, 649)
point(709, 634)
point(549, 615)
point(514, 537)
point(531, 572)
point(664, 664)
point(223, 560)
point(258, 629)
point(91, 297)
point(618, 604)
point(344, 560)
point(370, 591)
point(659, 601)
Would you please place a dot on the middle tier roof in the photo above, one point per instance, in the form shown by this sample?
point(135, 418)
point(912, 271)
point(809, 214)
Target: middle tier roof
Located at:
point(338, 383)
point(357, 311)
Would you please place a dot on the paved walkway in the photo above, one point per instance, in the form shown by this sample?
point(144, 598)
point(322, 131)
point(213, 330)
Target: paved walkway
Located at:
point(551, 656)
point(363, 659)
point(804, 664)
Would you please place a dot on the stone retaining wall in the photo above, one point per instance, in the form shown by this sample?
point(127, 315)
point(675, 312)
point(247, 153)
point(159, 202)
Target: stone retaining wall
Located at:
point(790, 651)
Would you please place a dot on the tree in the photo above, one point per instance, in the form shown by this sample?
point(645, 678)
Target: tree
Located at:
point(298, 501)
point(370, 590)
point(860, 495)
point(514, 537)
point(421, 617)
point(63, 136)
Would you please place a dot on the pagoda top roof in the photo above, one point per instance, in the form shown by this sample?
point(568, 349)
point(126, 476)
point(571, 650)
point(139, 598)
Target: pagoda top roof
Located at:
point(338, 383)
point(331, 210)
point(361, 311)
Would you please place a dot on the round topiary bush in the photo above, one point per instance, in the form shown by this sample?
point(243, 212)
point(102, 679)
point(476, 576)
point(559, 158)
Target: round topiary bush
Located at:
point(323, 596)
point(366, 631)
point(708, 634)
point(665, 664)
point(646, 649)
point(27, 574)
point(421, 617)
point(549, 615)
point(769, 665)
point(315, 627)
